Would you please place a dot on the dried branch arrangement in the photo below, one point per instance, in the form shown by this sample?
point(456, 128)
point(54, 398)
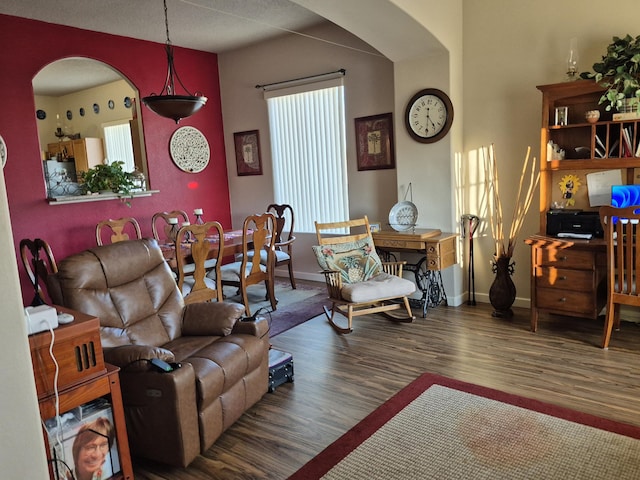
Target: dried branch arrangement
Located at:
point(523, 201)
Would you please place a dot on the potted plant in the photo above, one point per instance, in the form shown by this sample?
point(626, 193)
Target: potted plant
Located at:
point(619, 73)
point(107, 178)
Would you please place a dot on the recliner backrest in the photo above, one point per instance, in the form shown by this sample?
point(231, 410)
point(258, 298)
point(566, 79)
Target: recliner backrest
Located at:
point(129, 286)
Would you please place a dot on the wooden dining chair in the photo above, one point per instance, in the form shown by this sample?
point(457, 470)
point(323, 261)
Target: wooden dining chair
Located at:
point(39, 262)
point(120, 230)
point(161, 226)
point(198, 246)
point(257, 232)
point(283, 247)
point(621, 226)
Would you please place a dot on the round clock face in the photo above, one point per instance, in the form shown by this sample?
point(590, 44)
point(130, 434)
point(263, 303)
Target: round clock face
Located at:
point(429, 115)
point(189, 149)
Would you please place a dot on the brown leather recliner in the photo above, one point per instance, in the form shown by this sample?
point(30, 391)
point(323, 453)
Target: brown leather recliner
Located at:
point(171, 417)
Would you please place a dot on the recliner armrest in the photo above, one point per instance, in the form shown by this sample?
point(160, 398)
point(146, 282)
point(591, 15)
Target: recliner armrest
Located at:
point(134, 357)
point(210, 318)
point(258, 327)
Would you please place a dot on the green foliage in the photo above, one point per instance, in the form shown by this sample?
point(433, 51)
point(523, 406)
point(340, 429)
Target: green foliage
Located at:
point(107, 178)
point(618, 72)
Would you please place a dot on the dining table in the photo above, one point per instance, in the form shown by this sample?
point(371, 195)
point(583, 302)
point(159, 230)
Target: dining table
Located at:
point(232, 245)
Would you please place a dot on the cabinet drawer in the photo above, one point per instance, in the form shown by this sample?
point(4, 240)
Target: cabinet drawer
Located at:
point(572, 302)
point(400, 244)
point(563, 278)
point(566, 258)
point(441, 254)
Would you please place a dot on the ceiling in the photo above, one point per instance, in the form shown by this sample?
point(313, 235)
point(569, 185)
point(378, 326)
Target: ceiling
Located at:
point(215, 26)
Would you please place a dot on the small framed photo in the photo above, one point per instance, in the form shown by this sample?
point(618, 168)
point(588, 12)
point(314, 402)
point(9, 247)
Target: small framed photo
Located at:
point(374, 142)
point(247, 147)
point(374, 227)
point(562, 116)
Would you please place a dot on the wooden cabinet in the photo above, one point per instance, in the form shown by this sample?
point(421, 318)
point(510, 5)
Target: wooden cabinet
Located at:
point(568, 276)
point(86, 152)
point(83, 376)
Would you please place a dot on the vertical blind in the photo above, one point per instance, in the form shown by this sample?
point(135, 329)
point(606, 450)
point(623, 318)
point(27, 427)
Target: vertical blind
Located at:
point(308, 149)
point(119, 145)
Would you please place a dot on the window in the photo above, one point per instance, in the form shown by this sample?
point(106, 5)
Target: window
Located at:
point(118, 144)
point(308, 148)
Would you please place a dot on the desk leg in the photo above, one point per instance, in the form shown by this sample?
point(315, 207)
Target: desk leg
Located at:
point(429, 282)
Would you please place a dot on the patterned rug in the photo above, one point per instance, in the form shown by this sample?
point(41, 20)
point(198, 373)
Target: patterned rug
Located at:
point(294, 306)
point(439, 428)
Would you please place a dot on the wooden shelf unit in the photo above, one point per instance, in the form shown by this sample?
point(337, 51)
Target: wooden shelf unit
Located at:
point(579, 97)
point(83, 377)
point(568, 277)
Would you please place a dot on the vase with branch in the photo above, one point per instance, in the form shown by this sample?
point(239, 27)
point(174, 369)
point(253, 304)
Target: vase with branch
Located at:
point(502, 293)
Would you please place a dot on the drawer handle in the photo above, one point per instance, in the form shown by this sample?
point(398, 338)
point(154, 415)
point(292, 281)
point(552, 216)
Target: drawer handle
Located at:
point(564, 259)
point(562, 277)
point(563, 299)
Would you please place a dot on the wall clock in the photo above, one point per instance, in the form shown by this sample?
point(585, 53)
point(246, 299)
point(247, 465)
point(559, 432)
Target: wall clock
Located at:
point(429, 115)
point(3, 152)
point(189, 149)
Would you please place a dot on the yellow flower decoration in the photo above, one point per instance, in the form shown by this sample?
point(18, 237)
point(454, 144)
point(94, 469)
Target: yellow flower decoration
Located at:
point(569, 187)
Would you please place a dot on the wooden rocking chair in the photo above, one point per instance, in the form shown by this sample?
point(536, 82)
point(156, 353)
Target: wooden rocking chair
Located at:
point(358, 283)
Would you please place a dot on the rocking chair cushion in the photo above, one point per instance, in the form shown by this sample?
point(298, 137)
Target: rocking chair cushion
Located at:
point(382, 285)
point(356, 261)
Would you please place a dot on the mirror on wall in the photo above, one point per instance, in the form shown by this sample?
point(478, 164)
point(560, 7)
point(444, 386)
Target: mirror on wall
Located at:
point(87, 115)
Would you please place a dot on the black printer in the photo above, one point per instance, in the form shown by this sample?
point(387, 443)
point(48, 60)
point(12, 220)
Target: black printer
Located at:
point(570, 223)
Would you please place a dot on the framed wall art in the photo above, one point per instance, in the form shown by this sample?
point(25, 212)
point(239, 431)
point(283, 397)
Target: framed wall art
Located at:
point(247, 146)
point(374, 142)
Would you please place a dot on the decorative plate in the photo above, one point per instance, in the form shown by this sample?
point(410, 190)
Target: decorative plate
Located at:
point(69, 115)
point(127, 102)
point(96, 108)
point(41, 114)
point(3, 152)
point(111, 105)
point(403, 216)
point(82, 111)
point(189, 149)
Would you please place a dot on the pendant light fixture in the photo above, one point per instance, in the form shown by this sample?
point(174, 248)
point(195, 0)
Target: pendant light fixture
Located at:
point(167, 103)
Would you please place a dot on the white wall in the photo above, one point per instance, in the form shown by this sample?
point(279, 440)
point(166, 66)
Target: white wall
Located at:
point(369, 91)
point(509, 48)
point(22, 453)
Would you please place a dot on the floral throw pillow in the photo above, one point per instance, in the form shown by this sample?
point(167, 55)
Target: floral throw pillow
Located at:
point(356, 261)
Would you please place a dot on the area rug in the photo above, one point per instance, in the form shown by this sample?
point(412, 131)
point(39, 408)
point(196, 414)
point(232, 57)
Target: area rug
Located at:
point(439, 428)
point(294, 307)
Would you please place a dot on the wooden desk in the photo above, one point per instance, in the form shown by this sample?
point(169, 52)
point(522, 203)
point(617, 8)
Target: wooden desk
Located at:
point(438, 250)
point(568, 276)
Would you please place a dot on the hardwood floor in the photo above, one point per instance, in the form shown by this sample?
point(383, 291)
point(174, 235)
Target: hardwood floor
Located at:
point(340, 379)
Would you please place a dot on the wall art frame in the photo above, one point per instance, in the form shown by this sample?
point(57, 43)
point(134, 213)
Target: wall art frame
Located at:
point(375, 149)
point(247, 148)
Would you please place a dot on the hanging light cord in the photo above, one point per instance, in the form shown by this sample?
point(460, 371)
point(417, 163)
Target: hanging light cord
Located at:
point(170, 84)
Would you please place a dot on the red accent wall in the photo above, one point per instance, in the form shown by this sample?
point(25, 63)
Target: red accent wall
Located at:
point(26, 46)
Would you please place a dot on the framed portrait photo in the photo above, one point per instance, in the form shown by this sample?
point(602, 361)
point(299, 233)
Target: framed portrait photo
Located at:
point(374, 142)
point(247, 146)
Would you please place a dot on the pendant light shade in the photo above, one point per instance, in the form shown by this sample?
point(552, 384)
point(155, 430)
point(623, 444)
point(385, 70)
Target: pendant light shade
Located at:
point(168, 103)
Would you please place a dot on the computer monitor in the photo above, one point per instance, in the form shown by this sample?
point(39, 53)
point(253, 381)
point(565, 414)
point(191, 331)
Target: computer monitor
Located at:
point(625, 195)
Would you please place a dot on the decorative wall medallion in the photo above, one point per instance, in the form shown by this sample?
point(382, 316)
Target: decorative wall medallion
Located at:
point(189, 149)
point(82, 111)
point(3, 152)
point(127, 102)
point(69, 115)
point(96, 108)
point(111, 105)
point(41, 114)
